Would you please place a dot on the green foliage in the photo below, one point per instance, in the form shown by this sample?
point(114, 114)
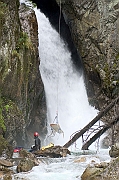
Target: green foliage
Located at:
point(2, 10)
point(5, 107)
point(117, 56)
point(110, 79)
point(24, 42)
point(2, 124)
point(15, 54)
point(34, 4)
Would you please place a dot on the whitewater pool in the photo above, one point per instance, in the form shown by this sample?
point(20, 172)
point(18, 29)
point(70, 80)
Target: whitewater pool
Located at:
point(68, 168)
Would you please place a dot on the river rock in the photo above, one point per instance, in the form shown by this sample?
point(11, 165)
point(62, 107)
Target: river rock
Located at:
point(93, 171)
point(114, 151)
point(25, 154)
point(81, 159)
point(7, 177)
point(5, 163)
point(90, 172)
point(53, 152)
point(25, 165)
point(105, 171)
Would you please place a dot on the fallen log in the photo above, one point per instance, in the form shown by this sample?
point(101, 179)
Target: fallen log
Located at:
point(89, 125)
point(99, 133)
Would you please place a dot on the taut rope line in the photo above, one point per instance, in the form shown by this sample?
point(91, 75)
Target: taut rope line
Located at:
point(55, 127)
point(60, 14)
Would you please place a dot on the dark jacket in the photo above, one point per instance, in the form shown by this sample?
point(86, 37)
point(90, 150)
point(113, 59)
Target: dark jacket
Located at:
point(37, 143)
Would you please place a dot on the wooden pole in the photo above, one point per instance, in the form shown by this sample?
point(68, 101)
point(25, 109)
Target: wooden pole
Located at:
point(90, 124)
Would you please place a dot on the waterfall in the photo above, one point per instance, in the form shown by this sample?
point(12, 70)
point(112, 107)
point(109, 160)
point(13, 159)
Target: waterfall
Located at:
point(64, 85)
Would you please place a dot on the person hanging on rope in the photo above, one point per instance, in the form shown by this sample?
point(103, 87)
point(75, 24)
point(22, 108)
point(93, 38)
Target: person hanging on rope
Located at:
point(55, 120)
point(55, 127)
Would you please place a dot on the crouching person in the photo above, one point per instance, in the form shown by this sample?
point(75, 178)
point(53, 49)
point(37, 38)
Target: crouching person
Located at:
point(37, 145)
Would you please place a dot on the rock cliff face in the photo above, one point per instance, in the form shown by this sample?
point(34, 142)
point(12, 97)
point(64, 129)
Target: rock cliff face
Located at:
point(22, 101)
point(94, 28)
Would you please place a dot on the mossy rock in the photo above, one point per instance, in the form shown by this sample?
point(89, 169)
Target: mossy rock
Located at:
point(25, 154)
point(7, 177)
point(25, 165)
point(90, 173)
point(4, 146)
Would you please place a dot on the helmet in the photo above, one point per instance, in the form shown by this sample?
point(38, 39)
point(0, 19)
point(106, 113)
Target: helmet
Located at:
point(36, 134)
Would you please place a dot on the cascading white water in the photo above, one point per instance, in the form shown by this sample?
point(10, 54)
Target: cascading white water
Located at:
point(64, 86)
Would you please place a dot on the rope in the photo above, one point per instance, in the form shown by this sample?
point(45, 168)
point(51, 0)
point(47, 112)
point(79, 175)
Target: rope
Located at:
point(60, 16)
point(60, 13)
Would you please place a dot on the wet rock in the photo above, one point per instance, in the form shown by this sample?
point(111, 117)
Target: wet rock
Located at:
point(81, 159)
point(114, 151)
point(90, 172)
point(53, 152)
point(27, 161)
point(105, 171)
point(5, 163)
point(25, 154)
point(5, 173)
point(94, 170)
point(25, 165)
point(3, 145)
point(7, 177)
point(1, 174)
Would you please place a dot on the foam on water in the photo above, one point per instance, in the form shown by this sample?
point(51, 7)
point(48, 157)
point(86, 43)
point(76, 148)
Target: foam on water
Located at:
point(69, 168)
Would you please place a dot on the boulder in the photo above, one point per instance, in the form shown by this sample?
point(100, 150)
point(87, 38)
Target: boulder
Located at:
point(105, 171)
point(114, 151)
point(89, 173)
point(92, 172)
point(81, 159)
point(5, 163)
point(6, 150)
point(7, 177)
point(53, 152)
point(25, 165)
point(5, 171)
point(27, 161)
point(25, 154)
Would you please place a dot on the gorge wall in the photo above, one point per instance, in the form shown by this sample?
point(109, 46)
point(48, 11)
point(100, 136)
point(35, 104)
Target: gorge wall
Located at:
point(94, 27)
point(22, 100)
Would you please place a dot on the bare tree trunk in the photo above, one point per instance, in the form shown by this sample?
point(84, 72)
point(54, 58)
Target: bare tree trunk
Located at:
point(99, 133)
point(88, 126)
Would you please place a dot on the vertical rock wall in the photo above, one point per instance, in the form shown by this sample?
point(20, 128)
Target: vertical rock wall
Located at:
point(94, 27)
point(22, 101)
